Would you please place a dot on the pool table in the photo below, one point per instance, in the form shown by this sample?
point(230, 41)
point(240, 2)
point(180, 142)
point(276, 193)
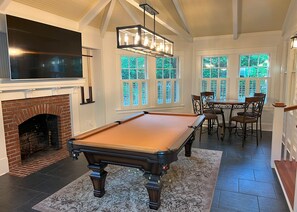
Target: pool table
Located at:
point(149, 141)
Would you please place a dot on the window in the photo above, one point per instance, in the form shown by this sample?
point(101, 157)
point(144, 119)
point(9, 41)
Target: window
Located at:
point(134, 81)
point(214, 75)
point(253, 74)
point(167, 80)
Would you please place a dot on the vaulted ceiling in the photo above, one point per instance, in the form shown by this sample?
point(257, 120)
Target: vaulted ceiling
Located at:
point(185, 18)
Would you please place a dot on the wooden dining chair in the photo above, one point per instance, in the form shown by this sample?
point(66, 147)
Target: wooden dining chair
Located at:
point(263, 96)
point(253, 105)
point(207, 95)
point(209, 114)
point(251, 113)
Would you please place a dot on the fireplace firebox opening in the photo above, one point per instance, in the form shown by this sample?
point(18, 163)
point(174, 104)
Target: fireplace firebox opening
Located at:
point(38, 135)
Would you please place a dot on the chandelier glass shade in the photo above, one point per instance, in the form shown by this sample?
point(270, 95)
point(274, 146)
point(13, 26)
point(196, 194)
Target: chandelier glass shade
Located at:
point(294, 41)
point(139, 39)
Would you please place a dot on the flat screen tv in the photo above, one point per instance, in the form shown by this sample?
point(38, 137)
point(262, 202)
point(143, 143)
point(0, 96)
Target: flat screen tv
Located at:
point(40, 51)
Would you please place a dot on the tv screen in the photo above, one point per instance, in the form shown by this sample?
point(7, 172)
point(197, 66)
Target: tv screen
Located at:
point(38, 50)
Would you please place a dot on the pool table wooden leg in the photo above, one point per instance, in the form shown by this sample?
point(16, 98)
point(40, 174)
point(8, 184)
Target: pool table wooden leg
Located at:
point(154, 187)
point(188, 146)
point(98, 177)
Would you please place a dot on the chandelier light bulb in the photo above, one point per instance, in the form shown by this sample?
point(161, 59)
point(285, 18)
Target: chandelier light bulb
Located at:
point(136, 39)
point(153, 44)
point(126, 39)
point(145, 41)
point(167, 48)
point(161, 47)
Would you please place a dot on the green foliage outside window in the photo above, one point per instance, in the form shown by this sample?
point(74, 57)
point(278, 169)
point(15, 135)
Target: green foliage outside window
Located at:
point(255, 65)
point(166, 68)
point(133, 68)
point(215, 68)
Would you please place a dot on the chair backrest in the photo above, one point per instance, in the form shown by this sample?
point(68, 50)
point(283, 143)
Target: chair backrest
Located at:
point(255, 104)
point(197, 105)
point(206, 95)
point(263, 96)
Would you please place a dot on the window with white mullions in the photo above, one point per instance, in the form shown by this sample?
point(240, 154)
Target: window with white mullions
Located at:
point(167, 80)
point(214, 74)
point(253, 74)
point(134, 81)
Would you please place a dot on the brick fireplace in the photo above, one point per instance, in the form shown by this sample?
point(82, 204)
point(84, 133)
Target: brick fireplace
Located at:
point(16, 112)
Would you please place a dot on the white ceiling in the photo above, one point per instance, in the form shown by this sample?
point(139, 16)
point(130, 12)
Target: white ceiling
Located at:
point(186, 18)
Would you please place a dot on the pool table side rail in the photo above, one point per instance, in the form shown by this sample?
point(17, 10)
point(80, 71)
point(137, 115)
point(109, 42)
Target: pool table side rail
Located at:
point(169, 113)
point(131, 117)
point(136, 115)
point(91, 132)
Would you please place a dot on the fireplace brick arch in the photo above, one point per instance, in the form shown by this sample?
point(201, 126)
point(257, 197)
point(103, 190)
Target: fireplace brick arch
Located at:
point(17, 111)
point(35, 110)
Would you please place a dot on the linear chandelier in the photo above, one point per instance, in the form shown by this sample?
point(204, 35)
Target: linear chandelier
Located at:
point(139, 39)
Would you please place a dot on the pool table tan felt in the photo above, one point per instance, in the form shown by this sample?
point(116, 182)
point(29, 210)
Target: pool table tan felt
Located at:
point(148, 133)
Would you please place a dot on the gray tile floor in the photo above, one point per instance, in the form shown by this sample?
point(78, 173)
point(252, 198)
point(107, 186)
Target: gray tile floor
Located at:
point(245, 183)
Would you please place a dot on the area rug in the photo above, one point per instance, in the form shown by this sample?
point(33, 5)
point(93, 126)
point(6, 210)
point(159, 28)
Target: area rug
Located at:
point(188, 186)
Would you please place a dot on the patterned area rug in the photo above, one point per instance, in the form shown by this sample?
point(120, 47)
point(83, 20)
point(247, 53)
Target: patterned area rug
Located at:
point(188, 186)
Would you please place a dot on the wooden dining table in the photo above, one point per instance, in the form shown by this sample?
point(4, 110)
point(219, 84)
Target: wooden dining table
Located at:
point(230, 104)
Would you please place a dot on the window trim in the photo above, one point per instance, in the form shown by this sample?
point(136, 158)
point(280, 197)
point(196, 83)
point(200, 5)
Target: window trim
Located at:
point(178, 79)
point(152, 91)
point(258, 79)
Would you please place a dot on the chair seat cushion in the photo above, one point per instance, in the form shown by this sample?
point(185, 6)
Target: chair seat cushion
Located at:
point(243, 119)
point(216, 111)
point(210, 116)
point(250, 114)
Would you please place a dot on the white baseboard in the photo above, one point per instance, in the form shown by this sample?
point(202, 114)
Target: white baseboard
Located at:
point(4, 166)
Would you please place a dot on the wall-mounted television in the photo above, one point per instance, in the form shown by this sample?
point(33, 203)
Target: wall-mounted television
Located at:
point(41, 51)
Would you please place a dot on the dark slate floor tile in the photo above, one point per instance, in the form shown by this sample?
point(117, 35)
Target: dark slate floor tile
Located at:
point(17, 197)
point(27, 207)
point(272, 205)
point(263, 156)
point(32, 180)
point(265, 175)
point(214, 209)
point(51, 185)
point(227, 183)
point(216, 198)
point(257, 188)
point(8, 182)
point(238, 202)
point(247, 174)
point(278, 191)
